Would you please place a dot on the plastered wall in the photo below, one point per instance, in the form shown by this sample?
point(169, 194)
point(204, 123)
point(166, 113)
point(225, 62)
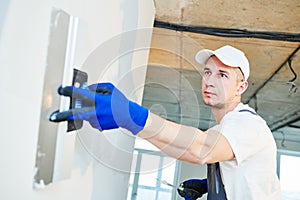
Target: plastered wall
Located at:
point(101, 160)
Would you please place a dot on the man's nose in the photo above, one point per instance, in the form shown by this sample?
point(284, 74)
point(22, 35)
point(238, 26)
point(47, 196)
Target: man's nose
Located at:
point(209, 80)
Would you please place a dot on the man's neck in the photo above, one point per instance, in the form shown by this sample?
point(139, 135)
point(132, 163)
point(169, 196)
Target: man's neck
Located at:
point(220, 111)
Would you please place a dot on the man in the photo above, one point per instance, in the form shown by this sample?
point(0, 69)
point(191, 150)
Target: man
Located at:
point(240, 144)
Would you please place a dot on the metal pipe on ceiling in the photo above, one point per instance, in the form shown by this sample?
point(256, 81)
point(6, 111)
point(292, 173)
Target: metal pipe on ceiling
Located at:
point(270, 78)
point(286, 120)
point(230, 32)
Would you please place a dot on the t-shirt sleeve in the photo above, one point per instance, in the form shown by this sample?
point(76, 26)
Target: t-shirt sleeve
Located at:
point(245, 133)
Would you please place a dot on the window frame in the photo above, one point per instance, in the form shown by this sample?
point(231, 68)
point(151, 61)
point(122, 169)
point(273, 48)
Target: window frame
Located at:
point(135, 185)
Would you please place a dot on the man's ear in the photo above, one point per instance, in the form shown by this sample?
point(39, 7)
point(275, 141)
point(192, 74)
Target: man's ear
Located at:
point(243, 85)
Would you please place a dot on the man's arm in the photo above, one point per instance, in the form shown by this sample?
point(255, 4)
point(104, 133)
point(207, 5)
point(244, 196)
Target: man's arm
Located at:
point(185, 142)
point(106, 107)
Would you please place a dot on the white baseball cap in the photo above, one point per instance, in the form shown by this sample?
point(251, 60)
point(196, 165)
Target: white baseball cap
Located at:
point(228, 55)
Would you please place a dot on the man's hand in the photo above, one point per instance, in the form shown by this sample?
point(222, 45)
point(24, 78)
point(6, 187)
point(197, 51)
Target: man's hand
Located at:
point(104, 107)
point(192, 189)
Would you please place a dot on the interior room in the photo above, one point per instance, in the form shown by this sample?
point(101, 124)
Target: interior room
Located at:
point(147, 49)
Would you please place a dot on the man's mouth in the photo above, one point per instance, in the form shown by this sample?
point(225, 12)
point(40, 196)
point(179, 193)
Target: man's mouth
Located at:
point(209, 93)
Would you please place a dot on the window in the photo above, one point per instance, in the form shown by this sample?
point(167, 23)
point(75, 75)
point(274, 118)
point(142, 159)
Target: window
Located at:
point(149, 167)
point(289, 165)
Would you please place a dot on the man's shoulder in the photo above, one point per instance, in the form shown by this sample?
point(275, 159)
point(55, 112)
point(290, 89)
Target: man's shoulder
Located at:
point(242, 114)
point(244, 108)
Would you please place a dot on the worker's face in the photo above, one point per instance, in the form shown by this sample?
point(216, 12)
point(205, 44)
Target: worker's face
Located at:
point(221, 84)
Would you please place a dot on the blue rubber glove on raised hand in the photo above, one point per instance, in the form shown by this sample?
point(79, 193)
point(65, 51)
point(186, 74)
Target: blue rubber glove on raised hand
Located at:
point(104, 107)
point(192, 189)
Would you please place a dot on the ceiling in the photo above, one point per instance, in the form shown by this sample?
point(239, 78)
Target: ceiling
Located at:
point(173, 79)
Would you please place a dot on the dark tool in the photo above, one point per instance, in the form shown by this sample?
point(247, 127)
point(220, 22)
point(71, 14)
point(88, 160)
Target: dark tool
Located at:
point(189, 193)
point(79, 104)
point(79, 80)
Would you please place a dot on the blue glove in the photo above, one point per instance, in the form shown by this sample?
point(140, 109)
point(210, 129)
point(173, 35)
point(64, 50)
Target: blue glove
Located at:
point(192, 189)
point(104, 107)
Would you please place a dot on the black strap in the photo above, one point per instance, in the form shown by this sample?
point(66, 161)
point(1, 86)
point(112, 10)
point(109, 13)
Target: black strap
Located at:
point(245, 110)
point(215, 184)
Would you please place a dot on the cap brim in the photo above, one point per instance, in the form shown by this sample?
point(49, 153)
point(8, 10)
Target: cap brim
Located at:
point(203, 55)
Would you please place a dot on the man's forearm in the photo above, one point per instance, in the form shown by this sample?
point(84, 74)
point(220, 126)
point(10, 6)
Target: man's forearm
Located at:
point(179, 141)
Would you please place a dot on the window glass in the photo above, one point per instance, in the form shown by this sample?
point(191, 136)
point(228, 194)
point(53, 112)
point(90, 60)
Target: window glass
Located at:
point(164, 196)
point(168, 171)
point(144, 194)
point(149, 170)
point(153, 166)
point(290, 176)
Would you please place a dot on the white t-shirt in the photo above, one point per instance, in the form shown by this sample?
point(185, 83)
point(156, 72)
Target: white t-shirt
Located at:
point(252, 175)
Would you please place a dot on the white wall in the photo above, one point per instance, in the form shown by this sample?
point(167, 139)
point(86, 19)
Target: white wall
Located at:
point(100, 169)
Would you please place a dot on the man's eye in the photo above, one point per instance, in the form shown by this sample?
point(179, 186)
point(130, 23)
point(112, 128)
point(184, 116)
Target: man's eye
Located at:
point(207, 72)
point(223, 75)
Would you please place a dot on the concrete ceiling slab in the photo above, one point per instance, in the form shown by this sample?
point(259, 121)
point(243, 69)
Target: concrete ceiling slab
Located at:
point(273, 15)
